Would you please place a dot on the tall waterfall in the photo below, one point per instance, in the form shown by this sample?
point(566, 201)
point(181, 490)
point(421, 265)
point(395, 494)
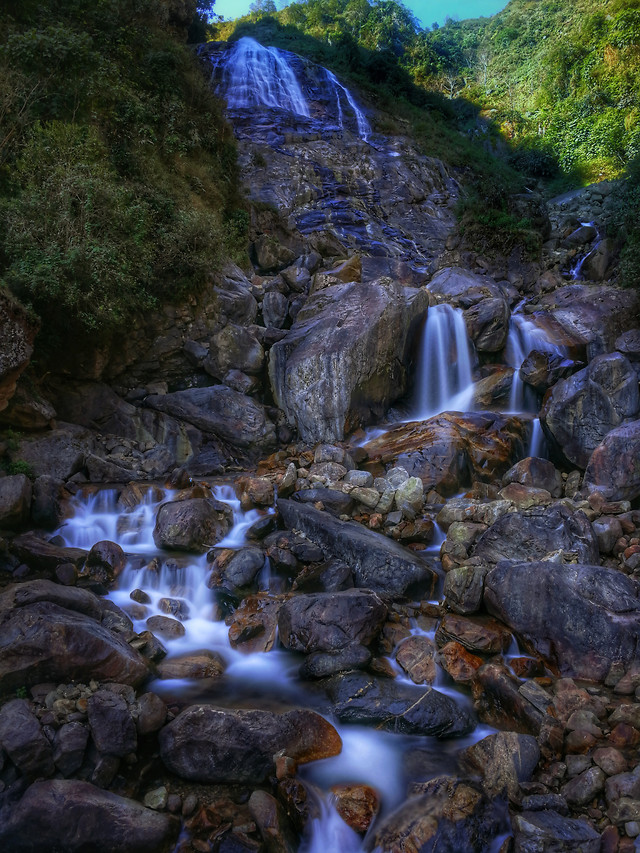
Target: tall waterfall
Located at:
point(444, 381)
point(249, 75)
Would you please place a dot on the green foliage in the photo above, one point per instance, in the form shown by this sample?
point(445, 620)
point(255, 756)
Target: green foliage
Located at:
point(626, 225)
point(118, 176)
point(19, 466)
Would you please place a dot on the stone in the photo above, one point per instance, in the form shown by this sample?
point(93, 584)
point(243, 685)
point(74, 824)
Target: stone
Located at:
point(46, 504)
point(416, 656)
point(345, 359)
point(539, 473)
point(273, 824)
point(74, 816)
point(463, 589)
point(549, 832)
point(324, 664)
point(580, 411)
point(105, 562)
point(23, 740)
point(541, 370)
point(504, 760)
point(488, 323)
point(254, 623)
point(191, 525)
point(610, 760)
point(166, 627)
point(270, 255)
point(59, 453)
point(213, 745)
point(243, 567)
point(360, 479)
point(533, 599)
point(112, 727)
point(584, 787)
point(410, 494)
point(377, 563)
point(612, 469)
point(15, 500)
point(608, 531)
point(357, 805)
point(204, 664)
point(459, 663)
point(275, 308)
point(234, 348)
point(329, 576)
point(328, 621)
point(157, 799)
point(481, 634)
point(499, 702)
point(69, 747)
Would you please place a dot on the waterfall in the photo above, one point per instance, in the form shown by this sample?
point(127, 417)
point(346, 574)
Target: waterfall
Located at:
point(575, 272)
point(444, 381)
point(249, 75)
point(524, 337)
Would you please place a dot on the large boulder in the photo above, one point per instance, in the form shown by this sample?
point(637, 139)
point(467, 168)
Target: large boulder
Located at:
point(583, 619)
point(327, 621)
point(193, 524)
point(535, 533)
point(345, 359)
point(377, 562)
point(580, 411)
point(614, 466)
point(234, 348)
point(451, 450)
point(15, 500)
point(537, 473)
point(59, 453)
point(52, 633)
point(74, 816)
point(233, 417)
point(488, 323)
point(23, 740)
point(548, 832)
point(214, 745)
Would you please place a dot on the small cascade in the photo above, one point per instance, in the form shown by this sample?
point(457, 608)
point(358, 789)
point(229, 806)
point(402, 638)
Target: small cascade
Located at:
point(575, 272)
point(444, 378)
point(340, 92)
point(524, 337)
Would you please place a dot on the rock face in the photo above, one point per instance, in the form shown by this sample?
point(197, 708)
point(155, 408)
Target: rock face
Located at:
point(450, 450)
point(194, 524)
point(344, 360)
point(376, 562)
point(581, 618)
point(581, 410)
point(614, 466)
point(537, 532)
point(18, 334)
point(74, 816)
point(15, 500)
point(212, 745)
point(54, 633)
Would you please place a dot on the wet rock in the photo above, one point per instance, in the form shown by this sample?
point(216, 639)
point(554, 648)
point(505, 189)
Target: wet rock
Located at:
point(541, 370)
point(364, 699)
point(463, 589)
point(450, 816)
point(54, 633)
point(581, 410)
point(376, 562)
point(488, 323)
point(499, 701)
point(332, 371)
point(112, 727)
point(535, 533)
point(204, 664)
point(69, 747)
point(105, 562)
point(524, 497)
point(231, 416)
point(166, 627)
point(504, 760)
point(15, 500)
point(534, 598)
point(23, 740)
point(150, 713)
point(493, 391)
point(191, 525)
point(357, 805)
point(612, 468)
point(271, 820)
point(212, 745)
point(459, 663)
point(40, 554)
point(241, 567)
point(254, 623)
point(324, 664)
point(481, 634)
point(275, 308)
point(538, 473)
point(330, 576)
point(416, 656)
point(608, 531)
point(410, 496)
point(66, 814)
point(549, 832)
point(327, 621)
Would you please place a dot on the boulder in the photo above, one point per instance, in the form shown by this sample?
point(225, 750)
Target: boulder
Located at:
point(59, 453)
point(23, 740)
point(105, 562)
point(46, 507)
point(328, 621)
point(360, 698)
point(614, 468)
point(603, 625)
point(488, 323)
point(580, 411)
point(51, 633)
point(542, 369)
point(231, 416)
point(539, 473)
point(376, 562)
point(462, 288)
point(112, 727)
point(235, 301)
point(504, 760)
point(234, 348)
point(69, 747)
point(19, 329)
point(214, 745)
point(548, 832)
point(345, 359)
point(74, 816)
point(275, 308)
point(535, 533)
point(15, 500)
point(193, 524)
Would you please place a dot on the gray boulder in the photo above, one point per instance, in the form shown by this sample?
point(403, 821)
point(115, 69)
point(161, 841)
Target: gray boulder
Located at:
point(549, 832)
point(613, 468)
point(193, 525)
point(15, 500)
point(23, 740)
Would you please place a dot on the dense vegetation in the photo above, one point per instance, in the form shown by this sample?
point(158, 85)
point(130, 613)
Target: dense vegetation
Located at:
point(117, 172)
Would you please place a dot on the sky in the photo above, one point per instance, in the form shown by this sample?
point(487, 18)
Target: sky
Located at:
point(427, 11)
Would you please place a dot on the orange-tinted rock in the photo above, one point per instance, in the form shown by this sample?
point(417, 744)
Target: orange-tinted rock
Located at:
point(480, 634)
point(459, 663)
point(254, 623)
point(493, 391)
point(198, 665)
point(526, 667)
point(579, 742)
point(416, 656)
point(525, 496)
point(624, 735)
point(357, 805)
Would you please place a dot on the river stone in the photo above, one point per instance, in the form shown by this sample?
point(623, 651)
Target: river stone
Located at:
point(52, 633)
point(214, 745)
point(74, 816)
point(15, 500)
point(500, 701)
point(549, 832)
point(273, 823)
point(112, 727)
point(105, 561)
point(535, 472)
point(541, 370)
point(534, 599)
point(204, 664)
point(376, 562)
point(243, 567)
point(360, 698)
point(537, 532)
point(69, 746)
point(324, 664)
point(328, 621)
point(581, 410)
point(451, 816)
point(488, 323)
point(416, 656)
point(463, 588)
point(23, 740)
point(345, 359)
point(614, 468)
point(233, 417)
point(504, 760)
point(193, 524)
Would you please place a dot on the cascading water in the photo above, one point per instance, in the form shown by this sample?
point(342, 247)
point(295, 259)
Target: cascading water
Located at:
point(444, 378)
point(575, 272)
point(249, 75)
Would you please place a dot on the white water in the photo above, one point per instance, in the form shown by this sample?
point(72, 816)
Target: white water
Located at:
point(340, 92)
point(444, 381)
point(524, 337)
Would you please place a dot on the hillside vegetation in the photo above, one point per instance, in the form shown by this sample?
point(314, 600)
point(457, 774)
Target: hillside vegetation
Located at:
point(118, 182)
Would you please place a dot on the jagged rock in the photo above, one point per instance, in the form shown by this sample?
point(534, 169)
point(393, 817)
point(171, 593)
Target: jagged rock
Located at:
point(324, 664)
point(504, 760)
point(234, 298)
point(254, 624)
point(53, 633)
point(416, 656)
point(22, 738)
point(481, 635)
point(213, 745)
point(328, 621)
point(549, 832)
point(357, 805)
point(581, 410)
point(539, 473)
point(193, 524)
point(488, 323)
point(275, 308)
point(534, 599)
point(15, 500)
point(463, 587)
point(499, 701)
point(612, 468)
point(28, 409)
point(376, 562)
point(234, 348)
point(270, 255)
point(74, 816)
point(344, 360)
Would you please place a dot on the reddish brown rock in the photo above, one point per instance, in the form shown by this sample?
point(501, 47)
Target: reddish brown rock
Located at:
point(254, 624)
point(416, 656)
point(357, 805)
point(480, 634)
point(459, 663)
point(203, 664)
